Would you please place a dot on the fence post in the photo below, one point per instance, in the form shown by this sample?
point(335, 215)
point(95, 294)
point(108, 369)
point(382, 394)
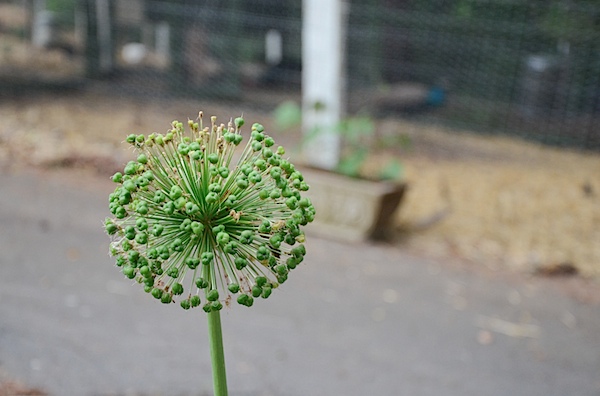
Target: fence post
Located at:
point(323, 79)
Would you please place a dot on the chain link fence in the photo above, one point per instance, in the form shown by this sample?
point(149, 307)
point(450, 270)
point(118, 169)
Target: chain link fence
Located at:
point(520, 67)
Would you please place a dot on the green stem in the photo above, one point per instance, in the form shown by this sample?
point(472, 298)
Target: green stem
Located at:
point(217, 356)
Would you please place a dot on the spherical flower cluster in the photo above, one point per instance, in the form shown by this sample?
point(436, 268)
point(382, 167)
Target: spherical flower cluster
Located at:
point(187, 222)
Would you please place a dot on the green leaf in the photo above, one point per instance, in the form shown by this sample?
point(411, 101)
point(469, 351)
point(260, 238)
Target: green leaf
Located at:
point(351, 164)
point(287, 115)
point(393, 170)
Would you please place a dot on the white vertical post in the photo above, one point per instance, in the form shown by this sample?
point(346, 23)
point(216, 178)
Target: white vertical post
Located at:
point(323, 79)
point(104, 34)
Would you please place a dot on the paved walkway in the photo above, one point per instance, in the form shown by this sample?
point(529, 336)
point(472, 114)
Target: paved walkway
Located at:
point(354, 320)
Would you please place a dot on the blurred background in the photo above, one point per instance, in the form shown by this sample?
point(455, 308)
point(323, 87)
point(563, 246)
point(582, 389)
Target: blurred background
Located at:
point(490, 110)
point(491, 107)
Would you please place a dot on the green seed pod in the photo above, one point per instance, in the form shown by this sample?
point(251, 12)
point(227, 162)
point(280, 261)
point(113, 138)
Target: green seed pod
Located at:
point(207, 257)
point(244, 299)
point(280, 150)
point(157, 293)
point(175, 192)
point(264, 194)
point(281, 269)
point(292, 263)
point(177, 289)
point(157, 230)
point(276, 240)
point(242, 183)
point(212, 295)
point(166, 298)
point(195, 301)
point(141, 238)
point(140, 138)
point(131, 138)
point(145, 271)
point(180, 203)
point(240, 263)
point(234, 288)
point(173, 272)
point(164, 252)
point(111, 228)
point(231, 200)
point(213, 158)
point(215, 187)
point(261, 281)
point(217, 229)
point(269, 142)
point(117, 177)
point(231, 248)
point(257, 127)
point(237, 139)
point(267, 153)
point(129, 272)
point(239, 121)
point(120, 212)
point(142, 182)
point(191, 208)
point(133, 256)
point(254, 177)
point(201, 283)
point(142, 159)
point(152, 253)
point(177, 245)
point(265, 227)
point(192, 262)
point(124, 198)
point(185, 304)
point(183, 149)
point(149, 282)
point(275, 193)
point(211, 197)
point(266, 292)
point(130, 230)
point(256, 291)
point(131, 168)
point(141, 224)
point(274, 160)
point(207, 307)
point(256, 146)
point(169, 208)
point(224, 172)
point(142, 208)
point(120, 261)
point(195, 155)
point(222, 238)
point(148, 175)
point(159, 197)
point(246, 237)
point(292, 203)
point(197, 228)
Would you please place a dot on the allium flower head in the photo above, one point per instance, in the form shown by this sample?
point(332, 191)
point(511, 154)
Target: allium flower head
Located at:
point(191, 226)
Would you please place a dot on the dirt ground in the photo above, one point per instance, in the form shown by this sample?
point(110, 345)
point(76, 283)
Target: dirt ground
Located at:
point(498, 202)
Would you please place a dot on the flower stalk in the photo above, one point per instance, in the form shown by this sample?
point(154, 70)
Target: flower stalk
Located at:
point(194, 226)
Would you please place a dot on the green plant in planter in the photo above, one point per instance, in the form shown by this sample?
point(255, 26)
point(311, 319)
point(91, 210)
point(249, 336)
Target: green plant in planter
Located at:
point(193, 227)
point(359, 138)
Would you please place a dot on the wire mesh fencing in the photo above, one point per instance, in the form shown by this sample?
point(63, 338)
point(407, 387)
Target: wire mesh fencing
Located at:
point(526, 68)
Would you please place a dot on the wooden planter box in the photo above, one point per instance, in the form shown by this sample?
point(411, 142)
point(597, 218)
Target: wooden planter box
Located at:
point(351, 209)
